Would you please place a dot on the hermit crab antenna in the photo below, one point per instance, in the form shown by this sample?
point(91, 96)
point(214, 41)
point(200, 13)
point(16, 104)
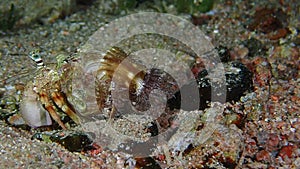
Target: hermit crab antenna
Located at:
point(35, 56)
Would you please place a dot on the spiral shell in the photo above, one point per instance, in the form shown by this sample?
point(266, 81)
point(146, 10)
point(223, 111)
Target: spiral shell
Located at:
point(139, 81)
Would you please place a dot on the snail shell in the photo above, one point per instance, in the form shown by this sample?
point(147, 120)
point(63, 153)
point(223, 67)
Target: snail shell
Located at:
point(133, 76)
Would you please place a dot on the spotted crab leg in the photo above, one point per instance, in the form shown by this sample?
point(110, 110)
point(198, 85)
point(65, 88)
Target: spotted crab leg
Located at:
point(45, 100)
point(61, 102)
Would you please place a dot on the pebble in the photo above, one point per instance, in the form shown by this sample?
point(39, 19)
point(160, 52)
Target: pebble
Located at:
point(238, 81)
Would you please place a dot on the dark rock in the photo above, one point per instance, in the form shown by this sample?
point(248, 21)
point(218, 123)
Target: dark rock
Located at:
point(224, 53)
point(238, 81)
point(71, 140)
point(146, 163)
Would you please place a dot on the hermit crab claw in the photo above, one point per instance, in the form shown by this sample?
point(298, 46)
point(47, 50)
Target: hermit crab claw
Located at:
point(32, 110)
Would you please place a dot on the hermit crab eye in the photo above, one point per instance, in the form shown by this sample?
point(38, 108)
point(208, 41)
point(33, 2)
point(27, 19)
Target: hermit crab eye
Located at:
point(35, 56)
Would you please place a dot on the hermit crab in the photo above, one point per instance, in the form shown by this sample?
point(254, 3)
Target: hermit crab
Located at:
point(44, 96)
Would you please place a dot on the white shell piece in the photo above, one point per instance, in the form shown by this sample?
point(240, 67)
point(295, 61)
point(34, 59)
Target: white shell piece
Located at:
point(32, 110)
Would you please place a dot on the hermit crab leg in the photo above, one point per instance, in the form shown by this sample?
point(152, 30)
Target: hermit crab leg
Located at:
point(45, 100)
point(61, 102)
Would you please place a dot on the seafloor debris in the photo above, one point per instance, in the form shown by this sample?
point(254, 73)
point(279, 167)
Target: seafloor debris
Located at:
point(255, 47)
point(270, 21)
point(222, 149)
